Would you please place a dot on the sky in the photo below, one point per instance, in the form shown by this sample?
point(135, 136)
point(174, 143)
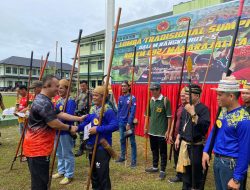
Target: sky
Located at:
point(29, 25)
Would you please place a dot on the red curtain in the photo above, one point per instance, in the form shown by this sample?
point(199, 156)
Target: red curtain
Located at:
point(140, 92)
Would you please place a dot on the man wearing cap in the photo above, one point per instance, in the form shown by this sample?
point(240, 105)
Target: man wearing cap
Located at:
point(126, 115)
point(36, 86)
point(160, 121)
point(194, 123)
point(100, 175)
point(231, 145)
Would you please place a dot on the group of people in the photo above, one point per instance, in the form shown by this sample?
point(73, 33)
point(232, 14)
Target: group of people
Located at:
point(187, 132)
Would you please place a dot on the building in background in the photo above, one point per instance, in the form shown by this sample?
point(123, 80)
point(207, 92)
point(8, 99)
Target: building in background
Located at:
point(92, 46)
point(194, 5)
point(14, 71)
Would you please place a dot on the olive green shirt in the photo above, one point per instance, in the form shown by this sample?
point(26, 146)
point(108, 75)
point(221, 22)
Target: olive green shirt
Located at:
point(159, 114)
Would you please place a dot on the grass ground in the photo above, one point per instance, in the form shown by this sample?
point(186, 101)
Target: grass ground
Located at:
point(9, 101)
point(122, 177)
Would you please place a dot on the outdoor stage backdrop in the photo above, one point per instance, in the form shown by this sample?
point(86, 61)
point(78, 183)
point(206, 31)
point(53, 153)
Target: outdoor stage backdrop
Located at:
point(168, 36)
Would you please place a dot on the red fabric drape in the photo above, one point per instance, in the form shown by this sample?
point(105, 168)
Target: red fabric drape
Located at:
point(140, 92)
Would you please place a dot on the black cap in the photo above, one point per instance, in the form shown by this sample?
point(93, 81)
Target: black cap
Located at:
point(155, 85)
point(195, 89)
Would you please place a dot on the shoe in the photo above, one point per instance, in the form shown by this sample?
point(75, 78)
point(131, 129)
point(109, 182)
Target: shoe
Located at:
point(133, 165)
point(65, 181)
point(162, 175)
point(57, 175)
point(174, 180)
point(120, 160)
point(79, 153)
point(152, 170)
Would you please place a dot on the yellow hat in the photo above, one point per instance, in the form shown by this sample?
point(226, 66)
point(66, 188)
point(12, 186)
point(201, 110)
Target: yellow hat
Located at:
point(64, 82)
point(100, 90)
point(246, 86)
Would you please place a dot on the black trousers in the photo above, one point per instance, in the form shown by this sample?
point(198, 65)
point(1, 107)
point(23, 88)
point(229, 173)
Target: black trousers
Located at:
point(100, 174)
point(198, 174)
point(39, 171)
point(176, 156)
point(158, 147)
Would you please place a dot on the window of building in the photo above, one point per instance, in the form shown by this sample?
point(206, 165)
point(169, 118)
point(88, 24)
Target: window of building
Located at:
point(21, 70)
point(99, 82)
point(26, 83)
point(66, 75)
point(8, 70)
point(27, 71)
point(10, 83)
point(14, 70)
point(100, 65)
point(93, 84)
point(99, 45)
point(33, 71)
point(38, 71)
point(93, 46)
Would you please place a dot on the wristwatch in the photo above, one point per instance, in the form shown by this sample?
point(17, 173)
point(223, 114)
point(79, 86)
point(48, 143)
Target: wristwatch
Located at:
point(236, 181)
point(70, 128)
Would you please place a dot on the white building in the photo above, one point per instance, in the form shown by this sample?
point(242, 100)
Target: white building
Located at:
point(15, 70)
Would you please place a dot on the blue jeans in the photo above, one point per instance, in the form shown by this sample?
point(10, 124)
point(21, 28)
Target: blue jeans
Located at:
point(122, 129)
point(66, 159)
point(21, 126)
point(223, 172)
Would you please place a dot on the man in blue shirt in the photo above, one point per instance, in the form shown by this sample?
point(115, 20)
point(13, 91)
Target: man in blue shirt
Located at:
point(100, 175)
point(126, 115)
point(231, 147)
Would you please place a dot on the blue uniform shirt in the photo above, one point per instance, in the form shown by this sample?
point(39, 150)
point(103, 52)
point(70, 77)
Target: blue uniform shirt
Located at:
point(109, 124)
point(123, 106)
point(70, 109)
point(233, 139)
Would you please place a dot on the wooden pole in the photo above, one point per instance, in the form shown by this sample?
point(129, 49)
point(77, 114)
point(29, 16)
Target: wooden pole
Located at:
point(20, 143)
point(209, 63)
point(179, 90)
point(44, 66)
point(130, 102)
point(104, 96)
point(78, 71)
point(148, 105)
point(64, 109)
point(61, 72)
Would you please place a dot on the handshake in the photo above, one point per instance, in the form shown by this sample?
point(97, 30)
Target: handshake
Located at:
point(73, 129)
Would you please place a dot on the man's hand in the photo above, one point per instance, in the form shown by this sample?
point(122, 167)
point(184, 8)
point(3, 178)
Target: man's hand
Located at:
point(205, 160)
point(73, 129)
point(127, 127)
point(177, 144)
point(92, 130)
point(232, 185)
point(81, 119)
point(170, 139)
point(190, 109)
